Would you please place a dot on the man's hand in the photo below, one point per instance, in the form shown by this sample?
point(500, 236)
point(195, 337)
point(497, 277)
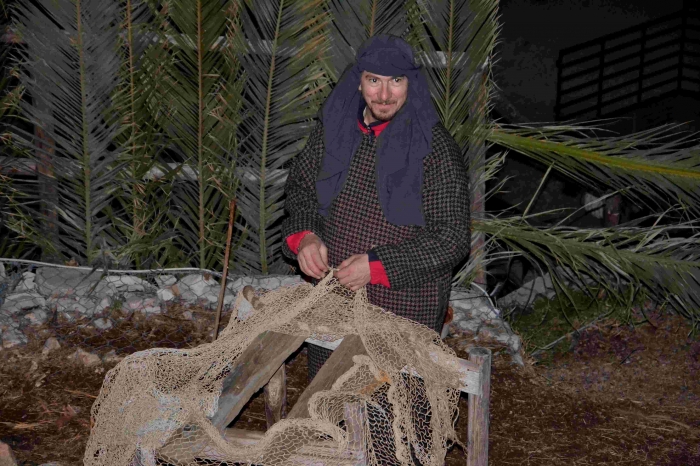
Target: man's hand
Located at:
point(313, 256)
point(354, 272)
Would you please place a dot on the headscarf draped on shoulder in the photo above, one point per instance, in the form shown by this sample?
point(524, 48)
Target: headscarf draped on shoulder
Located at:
point(401, 146)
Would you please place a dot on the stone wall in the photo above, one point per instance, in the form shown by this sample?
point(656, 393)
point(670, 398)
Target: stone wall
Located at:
point(29, 298)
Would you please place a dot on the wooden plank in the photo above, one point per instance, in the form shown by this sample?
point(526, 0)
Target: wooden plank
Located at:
point(337, 364)
point(276, 397)
point(470, 381)
point(478, 416)
point(355, 420)
point(198, 447)
point(255, 367)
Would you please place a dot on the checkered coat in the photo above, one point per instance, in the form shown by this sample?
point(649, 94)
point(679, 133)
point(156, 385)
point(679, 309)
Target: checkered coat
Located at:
point(418, 260)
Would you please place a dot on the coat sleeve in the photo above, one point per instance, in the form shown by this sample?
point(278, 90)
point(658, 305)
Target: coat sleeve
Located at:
point(445, 239)
point(301, 204)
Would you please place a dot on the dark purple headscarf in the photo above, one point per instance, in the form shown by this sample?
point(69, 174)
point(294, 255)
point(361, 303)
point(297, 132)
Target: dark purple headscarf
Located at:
point(402, 145)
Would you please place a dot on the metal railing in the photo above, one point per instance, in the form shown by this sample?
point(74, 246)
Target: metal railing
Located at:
point(611, 74)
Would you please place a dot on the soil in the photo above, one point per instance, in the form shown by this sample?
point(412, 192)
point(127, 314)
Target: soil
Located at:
point(616, 395)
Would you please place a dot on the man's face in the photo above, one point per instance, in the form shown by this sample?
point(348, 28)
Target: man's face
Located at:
point(384, 95)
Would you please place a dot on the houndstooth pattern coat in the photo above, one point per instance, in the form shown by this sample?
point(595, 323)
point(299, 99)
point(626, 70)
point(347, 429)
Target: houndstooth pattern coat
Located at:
point(418, 260)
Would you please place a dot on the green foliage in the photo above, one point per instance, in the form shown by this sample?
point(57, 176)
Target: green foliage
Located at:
point(152, 115)
point(143, 198)
point(197, 100)
point(70, 73)
point(283, 44)
point(551, 326)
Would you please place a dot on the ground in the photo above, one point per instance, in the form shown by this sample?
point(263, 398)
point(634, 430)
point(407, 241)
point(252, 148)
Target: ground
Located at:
point(618, 394)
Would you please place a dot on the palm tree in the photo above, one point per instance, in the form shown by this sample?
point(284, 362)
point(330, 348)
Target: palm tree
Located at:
point(230, 97)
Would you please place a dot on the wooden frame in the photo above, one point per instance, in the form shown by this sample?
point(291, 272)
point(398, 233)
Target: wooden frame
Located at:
point(262, 366)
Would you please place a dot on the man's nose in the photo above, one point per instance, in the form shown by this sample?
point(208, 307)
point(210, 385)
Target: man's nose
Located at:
point(385, 92)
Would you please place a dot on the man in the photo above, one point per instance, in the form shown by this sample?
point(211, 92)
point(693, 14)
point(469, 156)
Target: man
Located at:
point(380, 191)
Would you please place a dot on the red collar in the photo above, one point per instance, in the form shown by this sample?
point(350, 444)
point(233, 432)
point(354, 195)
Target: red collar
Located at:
point(375, 127)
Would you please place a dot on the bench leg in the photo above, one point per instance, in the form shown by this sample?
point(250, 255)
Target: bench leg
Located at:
point(478, 416)
point(276, 397)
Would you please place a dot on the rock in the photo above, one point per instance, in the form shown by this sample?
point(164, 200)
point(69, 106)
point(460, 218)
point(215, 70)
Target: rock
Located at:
point(166, 294)
point(471, 325)
point(27, 283)
point(187, 315)
point(104, 304)
point(267, 282)
point(7, 458)
point(12, 337)
point(111, 357)
point(244, 308)
point(515, 343)
point(165, 280)
point(51, 344)
point(102, 323)
point(468, 304)
point(55, 281)
point(528, 293)
point(81, 305)
point(141, 302)
point(128, 283)
point(37, 317)
point(3, 274)
point(86, 359)
point(18, 302)
point(197, 284)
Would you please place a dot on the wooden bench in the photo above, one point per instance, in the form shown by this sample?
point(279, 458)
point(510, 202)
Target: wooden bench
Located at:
point(261, 366)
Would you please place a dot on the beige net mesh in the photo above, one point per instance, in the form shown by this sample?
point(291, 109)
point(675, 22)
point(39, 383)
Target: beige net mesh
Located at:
point(395, 405)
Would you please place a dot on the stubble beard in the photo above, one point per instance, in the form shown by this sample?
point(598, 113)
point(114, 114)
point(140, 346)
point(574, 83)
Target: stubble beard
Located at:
point(384, 116)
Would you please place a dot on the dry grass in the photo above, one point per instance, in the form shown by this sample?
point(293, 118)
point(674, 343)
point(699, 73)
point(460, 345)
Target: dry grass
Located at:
point(623, 396)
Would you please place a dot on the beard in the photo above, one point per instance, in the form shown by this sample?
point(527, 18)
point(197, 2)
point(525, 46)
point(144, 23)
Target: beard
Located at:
point(383, 116)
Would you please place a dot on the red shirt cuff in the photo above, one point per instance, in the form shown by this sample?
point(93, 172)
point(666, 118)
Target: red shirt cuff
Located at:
point(377, 274)
point(294, 240)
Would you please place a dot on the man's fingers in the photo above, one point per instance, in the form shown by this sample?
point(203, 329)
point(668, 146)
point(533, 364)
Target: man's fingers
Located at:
point(347, 261)
point(311, 269)
point(317, 259)
point(324, 255)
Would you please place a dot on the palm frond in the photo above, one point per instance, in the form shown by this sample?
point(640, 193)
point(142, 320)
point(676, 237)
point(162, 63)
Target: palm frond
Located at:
point(286, 43)
point(70, 50)
point(143, 198)
point(198, 104)
point(356, 21)
point(655, 167)
point(456, 40)
point(663, 260)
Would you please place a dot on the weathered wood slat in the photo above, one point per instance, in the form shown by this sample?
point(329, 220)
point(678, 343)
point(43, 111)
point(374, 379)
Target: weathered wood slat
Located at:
point(469, 371)
point(258, 363)
point(355, 419)
point(276, 397)
point(312, 453)
point(337, 364)
point(478, 415)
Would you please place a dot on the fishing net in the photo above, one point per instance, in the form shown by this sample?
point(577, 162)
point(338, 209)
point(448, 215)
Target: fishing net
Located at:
point(395, 405)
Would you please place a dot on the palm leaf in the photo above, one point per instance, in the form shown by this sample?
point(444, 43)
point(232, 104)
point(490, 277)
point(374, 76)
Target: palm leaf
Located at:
point(655, 167)
point(356, 21)
point(456, 40)
point(198, 104)
point(69, 70)
point(286, 41)
point(663, 260)
point(144, 199)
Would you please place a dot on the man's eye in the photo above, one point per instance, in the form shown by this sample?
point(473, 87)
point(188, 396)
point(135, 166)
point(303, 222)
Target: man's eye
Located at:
point(397, 80)
point(374, 80)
